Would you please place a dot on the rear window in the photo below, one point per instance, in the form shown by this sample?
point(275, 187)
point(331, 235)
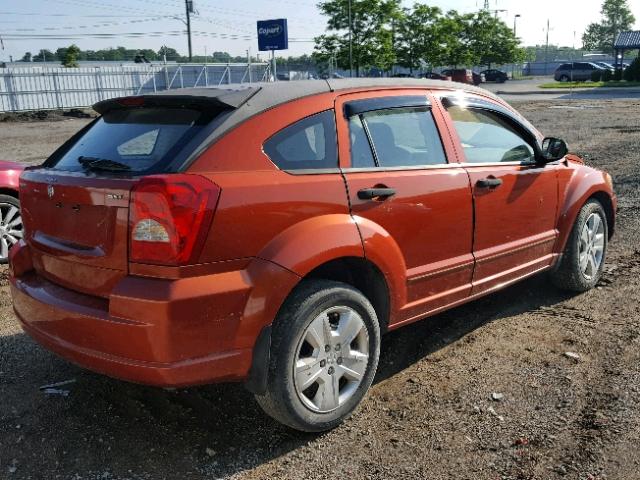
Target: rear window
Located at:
point(144, 139)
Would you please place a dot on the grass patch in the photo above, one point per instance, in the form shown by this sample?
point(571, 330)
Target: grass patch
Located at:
point(589, 84)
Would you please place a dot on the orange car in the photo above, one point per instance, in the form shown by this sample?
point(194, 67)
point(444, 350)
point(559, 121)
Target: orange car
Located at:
point(271, 234)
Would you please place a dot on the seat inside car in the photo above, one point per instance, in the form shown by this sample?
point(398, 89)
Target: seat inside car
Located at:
point(389, 153)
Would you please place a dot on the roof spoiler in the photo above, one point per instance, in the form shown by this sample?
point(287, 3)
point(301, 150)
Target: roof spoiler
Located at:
point(198, 98)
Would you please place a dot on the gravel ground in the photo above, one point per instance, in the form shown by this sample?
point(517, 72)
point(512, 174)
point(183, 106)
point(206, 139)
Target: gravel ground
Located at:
point(430, 413)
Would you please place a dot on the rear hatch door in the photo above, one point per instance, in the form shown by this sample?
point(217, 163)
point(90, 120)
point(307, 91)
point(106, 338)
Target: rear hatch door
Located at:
point(77, 226)
point(76, 207)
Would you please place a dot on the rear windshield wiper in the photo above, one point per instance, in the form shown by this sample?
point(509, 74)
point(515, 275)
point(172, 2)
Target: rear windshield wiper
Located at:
point(94, 163)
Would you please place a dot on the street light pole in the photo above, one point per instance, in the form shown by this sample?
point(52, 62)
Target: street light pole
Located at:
point(515, 30)
point(350, 42)
point(546, 48)
point(189, 8)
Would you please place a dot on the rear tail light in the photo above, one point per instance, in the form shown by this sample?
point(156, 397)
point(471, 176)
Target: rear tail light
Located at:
point(170, 217)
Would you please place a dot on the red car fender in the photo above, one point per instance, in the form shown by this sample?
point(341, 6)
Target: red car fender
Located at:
point(582, 184)
point(313, 242)
point(10, 175)
point(382, 250)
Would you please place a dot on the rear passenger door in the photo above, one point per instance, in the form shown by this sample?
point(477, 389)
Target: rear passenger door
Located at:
point(399, 178)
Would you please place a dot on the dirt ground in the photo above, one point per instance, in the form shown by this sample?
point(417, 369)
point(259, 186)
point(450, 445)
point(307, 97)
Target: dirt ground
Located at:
point(430, 414)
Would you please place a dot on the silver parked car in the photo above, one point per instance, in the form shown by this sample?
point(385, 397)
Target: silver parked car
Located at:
point(576, 71)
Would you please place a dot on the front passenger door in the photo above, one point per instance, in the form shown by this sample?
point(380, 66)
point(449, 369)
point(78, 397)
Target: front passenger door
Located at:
point(515, 198)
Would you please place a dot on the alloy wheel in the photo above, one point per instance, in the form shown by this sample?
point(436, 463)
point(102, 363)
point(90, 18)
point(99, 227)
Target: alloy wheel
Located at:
point(591, 246)
point(331, 359)
point(10, 228)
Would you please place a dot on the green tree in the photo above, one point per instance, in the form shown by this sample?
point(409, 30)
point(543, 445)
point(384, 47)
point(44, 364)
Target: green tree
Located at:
point(44, 55)
point(419, 32)
point(455, 34)
point(70, 59)
point(27, 57)
point(171, 54)
point(491, 41)
point(616, 18)
point(372, 33)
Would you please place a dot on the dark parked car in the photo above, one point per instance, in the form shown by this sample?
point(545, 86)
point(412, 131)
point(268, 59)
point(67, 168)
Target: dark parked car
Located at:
point(464, 75)
point(434, 76)
point(576, 71)
point(495, 76)
point(271, 234)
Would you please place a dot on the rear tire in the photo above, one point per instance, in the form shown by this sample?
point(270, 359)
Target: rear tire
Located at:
point(318, 373)
point(10, 225)
point(584, 256)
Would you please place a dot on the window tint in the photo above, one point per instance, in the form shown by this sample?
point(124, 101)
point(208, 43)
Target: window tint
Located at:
point(308, 144)
point(402, 137)
point(487, 138)
point(145, 139)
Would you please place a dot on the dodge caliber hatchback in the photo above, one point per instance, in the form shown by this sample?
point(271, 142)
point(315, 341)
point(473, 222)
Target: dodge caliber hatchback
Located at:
point(271, 234)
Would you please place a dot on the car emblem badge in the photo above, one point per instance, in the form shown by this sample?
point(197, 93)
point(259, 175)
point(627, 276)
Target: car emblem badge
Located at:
point(50, 191)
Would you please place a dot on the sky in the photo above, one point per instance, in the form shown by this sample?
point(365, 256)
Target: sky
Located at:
point(230, 25)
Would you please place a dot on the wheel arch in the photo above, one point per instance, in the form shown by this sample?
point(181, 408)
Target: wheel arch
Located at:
point(574, 204)
point(357, 272)
point(330, 247)
point(10, 192)
point(607, 204)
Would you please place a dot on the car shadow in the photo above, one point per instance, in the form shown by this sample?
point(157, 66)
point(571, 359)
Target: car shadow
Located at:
point(105, 426)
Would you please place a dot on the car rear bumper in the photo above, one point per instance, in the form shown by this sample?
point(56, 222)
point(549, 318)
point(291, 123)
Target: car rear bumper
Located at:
point(166, 333)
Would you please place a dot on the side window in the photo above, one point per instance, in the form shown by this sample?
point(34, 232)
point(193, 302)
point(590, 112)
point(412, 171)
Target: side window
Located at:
point(401, 137)
point(308, 144)
point(361, 155)
point(487, 138)
point(141, 145)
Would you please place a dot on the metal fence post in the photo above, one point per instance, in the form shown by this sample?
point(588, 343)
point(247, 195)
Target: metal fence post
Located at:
point(56, 89)
point(98, 83)
point(13, 99)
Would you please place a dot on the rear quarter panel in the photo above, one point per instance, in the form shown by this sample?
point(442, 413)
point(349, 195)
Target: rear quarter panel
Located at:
point(261, 208)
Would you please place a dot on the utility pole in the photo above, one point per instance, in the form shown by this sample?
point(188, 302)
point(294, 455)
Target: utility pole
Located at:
point(350, 42)
point(515, 35)
point(546, 48)
point(189, 8)
point(515, 24)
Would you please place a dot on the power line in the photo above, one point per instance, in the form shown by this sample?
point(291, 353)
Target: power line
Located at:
point(74, 27)
point(34, 14)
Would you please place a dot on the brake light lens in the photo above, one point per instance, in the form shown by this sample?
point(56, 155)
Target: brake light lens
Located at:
point(170, 217)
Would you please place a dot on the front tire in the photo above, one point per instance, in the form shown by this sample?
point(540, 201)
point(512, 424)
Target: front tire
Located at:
point(564, 78)
point(324, 355)
point(10, 225)
point(583, 260)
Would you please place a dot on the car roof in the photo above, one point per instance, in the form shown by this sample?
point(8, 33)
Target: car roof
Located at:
point(271, 95)
point(243, 101)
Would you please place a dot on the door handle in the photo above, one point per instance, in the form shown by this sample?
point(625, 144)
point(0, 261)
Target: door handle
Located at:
point(372, 193)
point(489, 183)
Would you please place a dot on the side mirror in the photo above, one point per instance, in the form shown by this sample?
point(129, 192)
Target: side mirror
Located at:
point(553, 149)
